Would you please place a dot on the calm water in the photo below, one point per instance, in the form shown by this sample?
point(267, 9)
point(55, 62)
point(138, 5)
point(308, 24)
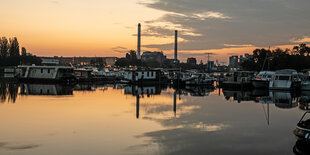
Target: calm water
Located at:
point(117, 119)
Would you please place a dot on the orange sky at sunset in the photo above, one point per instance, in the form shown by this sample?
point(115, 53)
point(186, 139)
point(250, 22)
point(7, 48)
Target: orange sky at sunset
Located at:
point(108, 28)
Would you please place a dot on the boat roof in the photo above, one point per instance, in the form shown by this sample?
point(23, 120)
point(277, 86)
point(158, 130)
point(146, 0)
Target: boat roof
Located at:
point(286, 71)
point(267, 72)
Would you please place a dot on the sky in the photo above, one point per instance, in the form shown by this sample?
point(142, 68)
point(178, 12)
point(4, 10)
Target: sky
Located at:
point(109, 28)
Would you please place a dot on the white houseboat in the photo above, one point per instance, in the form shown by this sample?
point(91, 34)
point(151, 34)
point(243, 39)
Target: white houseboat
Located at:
point(285, 79)
point(46, 74)
point(261, 80)
point(143, 76)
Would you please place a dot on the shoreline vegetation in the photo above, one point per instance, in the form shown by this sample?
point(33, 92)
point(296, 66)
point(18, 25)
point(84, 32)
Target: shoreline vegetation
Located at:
point(297, 58)
point(12, 55)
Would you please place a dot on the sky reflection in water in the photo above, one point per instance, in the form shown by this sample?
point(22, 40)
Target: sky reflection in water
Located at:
point(116, 119)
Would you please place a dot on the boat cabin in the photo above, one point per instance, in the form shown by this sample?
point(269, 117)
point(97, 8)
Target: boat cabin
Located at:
point(143, 76)
point(46, 73)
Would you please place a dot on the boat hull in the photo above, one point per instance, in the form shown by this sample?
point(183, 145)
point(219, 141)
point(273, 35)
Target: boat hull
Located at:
point(260, 84)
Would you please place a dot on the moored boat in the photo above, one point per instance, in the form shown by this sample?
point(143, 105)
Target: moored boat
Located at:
point(286, 79)
point(302, 131)
point(238, 80)
point(46, 74)
point(262, 79)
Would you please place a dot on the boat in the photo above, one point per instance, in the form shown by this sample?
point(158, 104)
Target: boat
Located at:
point(199, 79)
point(144, 76)
point(46, 74)
point(238, 80)
point(261, 80)
point(302, 131)
point(83, 74)
point(286, 79)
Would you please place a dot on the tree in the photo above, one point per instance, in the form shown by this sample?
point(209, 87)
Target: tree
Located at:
point(14, 47)
point(4, 47)
point(152, 63)
point(24, 51)
point(122, 62)
point(302, 49)
point(131, 56)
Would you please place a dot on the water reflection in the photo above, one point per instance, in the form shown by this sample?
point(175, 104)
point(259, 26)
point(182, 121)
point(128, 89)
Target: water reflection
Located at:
point(304, 101)
point(140, 92)
point(8, 92)
point(191, 120)
point(281, 99)
point(45, 89)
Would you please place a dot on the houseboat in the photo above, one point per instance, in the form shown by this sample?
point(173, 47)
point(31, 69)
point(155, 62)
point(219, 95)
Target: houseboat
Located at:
point(141, 76)
point(286, 79)
point(261, 80)
point(46, 74)
point(238, 80)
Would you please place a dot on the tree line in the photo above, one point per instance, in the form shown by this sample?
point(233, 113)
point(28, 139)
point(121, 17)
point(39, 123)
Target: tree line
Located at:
point(297, 58)
point(12, 55)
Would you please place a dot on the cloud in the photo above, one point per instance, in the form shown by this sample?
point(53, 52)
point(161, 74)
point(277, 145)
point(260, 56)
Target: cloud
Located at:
point(120, 49)
point(17, 146)
point(55, 1)
point(211, 14)
point(304, 39)
point(212, 24)
point(233, 45)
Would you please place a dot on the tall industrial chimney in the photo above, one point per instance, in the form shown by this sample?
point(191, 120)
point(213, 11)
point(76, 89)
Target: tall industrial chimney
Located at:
point(139, 42)
point(176, 45)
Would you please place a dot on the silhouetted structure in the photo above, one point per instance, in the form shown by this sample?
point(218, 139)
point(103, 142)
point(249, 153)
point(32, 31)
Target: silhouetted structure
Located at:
point(176, 46)
point(139, 42)
point(191, 61)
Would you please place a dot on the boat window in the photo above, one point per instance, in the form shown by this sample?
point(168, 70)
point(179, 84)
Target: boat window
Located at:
point(42, 70)
point(48, 71)
point(284, 77)
point(148, 73)
point(152, 73)
point(269, 76)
